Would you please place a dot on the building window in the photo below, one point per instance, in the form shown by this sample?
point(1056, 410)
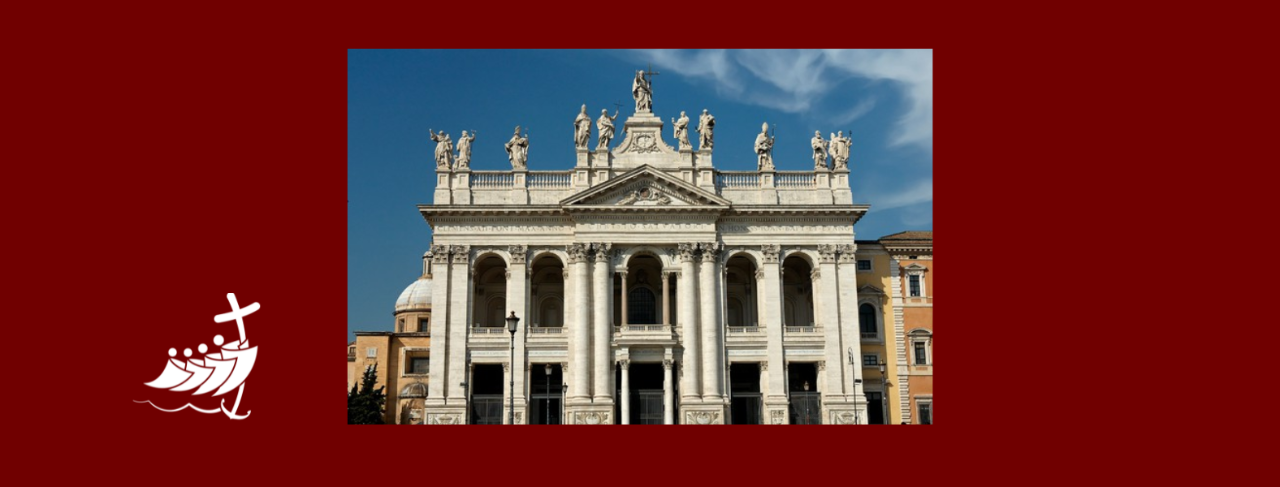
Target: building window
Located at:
point(921, 357)
point(915, 280)
point(400, 326)
point(419, 365)
point(641, 307)
point(864, 265)
point(925, 411)
point(867, 320)
point(423, 325)
point(373, 352)
point(870, 359)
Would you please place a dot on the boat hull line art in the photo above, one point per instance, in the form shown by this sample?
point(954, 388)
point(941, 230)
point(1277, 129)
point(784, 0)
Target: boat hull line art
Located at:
point(224, 370)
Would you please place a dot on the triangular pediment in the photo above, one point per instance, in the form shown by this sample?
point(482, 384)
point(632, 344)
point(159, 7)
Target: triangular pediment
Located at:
point(645, 186)
point(868, 289)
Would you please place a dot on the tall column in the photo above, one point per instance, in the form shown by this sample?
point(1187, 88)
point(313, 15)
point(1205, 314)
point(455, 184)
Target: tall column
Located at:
point(439, 326)
point(623, 275)
point(516, 292)
point(770, 292)
point(666, 299)
point(603, 332)
point(460, 295)
point(625, 365)
point(708, 291)
point(690, 388)
point(668, 406)
point(827, 308)
point(580, 359)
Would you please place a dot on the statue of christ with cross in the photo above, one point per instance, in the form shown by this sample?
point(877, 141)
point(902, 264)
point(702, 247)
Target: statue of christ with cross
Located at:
point(642, 89)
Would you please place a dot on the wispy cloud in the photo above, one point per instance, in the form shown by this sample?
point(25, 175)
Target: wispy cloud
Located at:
point(920, 192)
point(794, 80)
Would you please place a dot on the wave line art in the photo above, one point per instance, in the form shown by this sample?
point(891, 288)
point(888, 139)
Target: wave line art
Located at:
point(206, 411)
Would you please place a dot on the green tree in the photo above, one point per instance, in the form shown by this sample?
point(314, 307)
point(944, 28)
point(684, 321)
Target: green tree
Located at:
point(364, 406)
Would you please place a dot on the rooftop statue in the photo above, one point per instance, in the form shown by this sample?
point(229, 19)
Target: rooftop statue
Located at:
point(764, 149)
point(643, 93)
point(464, 149)
point(581, 129)
point(705, 123)
point(819, 150)
point(518, 149)
point(681, 128)
point(840, 150)
point(444, 149)
point(605, 125)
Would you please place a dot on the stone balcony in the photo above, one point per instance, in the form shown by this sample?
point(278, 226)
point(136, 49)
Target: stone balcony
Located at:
point(653, 333)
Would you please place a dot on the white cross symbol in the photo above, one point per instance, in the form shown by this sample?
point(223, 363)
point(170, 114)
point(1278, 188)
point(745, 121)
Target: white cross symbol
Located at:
point(237, 314)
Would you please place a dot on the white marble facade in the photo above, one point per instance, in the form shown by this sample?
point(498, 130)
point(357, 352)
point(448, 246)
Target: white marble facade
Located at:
point(750, 268)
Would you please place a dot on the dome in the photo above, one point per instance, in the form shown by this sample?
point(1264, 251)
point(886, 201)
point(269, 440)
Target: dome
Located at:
point(416, 296)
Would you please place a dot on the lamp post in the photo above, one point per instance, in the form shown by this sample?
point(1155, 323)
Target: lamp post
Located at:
point(884, 392)
point(548, 370)
point(511, 327)
point(857, 418)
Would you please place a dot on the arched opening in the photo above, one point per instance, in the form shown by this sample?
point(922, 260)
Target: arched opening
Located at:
point(547, 292)
point(641, 295)
point(490, 288)
point(797, 291)
point(740, 294)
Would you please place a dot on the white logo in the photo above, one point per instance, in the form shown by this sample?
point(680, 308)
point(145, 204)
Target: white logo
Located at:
point(224, 370)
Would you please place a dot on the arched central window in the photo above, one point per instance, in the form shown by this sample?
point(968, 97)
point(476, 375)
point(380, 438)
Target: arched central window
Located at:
point(641, 307)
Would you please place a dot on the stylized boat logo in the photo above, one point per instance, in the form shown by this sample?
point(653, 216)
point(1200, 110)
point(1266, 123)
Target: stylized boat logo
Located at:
point(223, 370)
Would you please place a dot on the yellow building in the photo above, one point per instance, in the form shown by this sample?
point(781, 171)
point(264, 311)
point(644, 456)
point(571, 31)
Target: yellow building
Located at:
point(911, 276)
point(402, 356)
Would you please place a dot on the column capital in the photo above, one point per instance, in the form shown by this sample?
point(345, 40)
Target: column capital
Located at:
point(460, 253)
point(507, 273)
point(506, 367)
point(564, 273)
point(518, 253)
point(624, 364)
point(770, 252)
point(686, 251)
point(577, 252)
point(709, 250)
point(602, 251)
point(815, 274)
point(759, 275)
point(848, 253)
point(764, 366)
point(440, 254)
point(827, 253)
point(666, 364)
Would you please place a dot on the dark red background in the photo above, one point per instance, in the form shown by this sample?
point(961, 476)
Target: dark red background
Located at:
point(178, 156)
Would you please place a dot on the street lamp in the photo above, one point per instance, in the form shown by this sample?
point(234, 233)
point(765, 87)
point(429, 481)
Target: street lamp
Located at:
point(511, 327)
point(548, 370)
point(884, 392)
point(853, 366)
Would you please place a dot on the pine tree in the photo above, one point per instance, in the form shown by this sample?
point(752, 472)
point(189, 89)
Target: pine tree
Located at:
point(365, 406)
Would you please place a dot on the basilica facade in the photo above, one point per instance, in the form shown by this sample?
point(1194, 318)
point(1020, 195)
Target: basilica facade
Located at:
point(653, 288)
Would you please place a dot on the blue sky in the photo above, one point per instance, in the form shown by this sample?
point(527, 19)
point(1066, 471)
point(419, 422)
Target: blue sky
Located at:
point(883, 98)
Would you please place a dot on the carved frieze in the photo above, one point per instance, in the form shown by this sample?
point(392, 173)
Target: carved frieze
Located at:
point(701, 417)
point(591, 417)
point(777, 416)
point(842, 417)
point(442, 419)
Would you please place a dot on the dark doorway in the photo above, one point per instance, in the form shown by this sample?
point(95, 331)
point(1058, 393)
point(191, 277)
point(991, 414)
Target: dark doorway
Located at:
point(875, 408)
point(744, 388)
point(802, 386)
point(544, 405)
point(646, 394)
point(486, 394)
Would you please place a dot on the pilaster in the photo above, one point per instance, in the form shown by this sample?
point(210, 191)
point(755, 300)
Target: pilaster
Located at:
point(459, 317)
point(827, 306)
point(439, 326)
point(771, 319)
point(517, 286)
